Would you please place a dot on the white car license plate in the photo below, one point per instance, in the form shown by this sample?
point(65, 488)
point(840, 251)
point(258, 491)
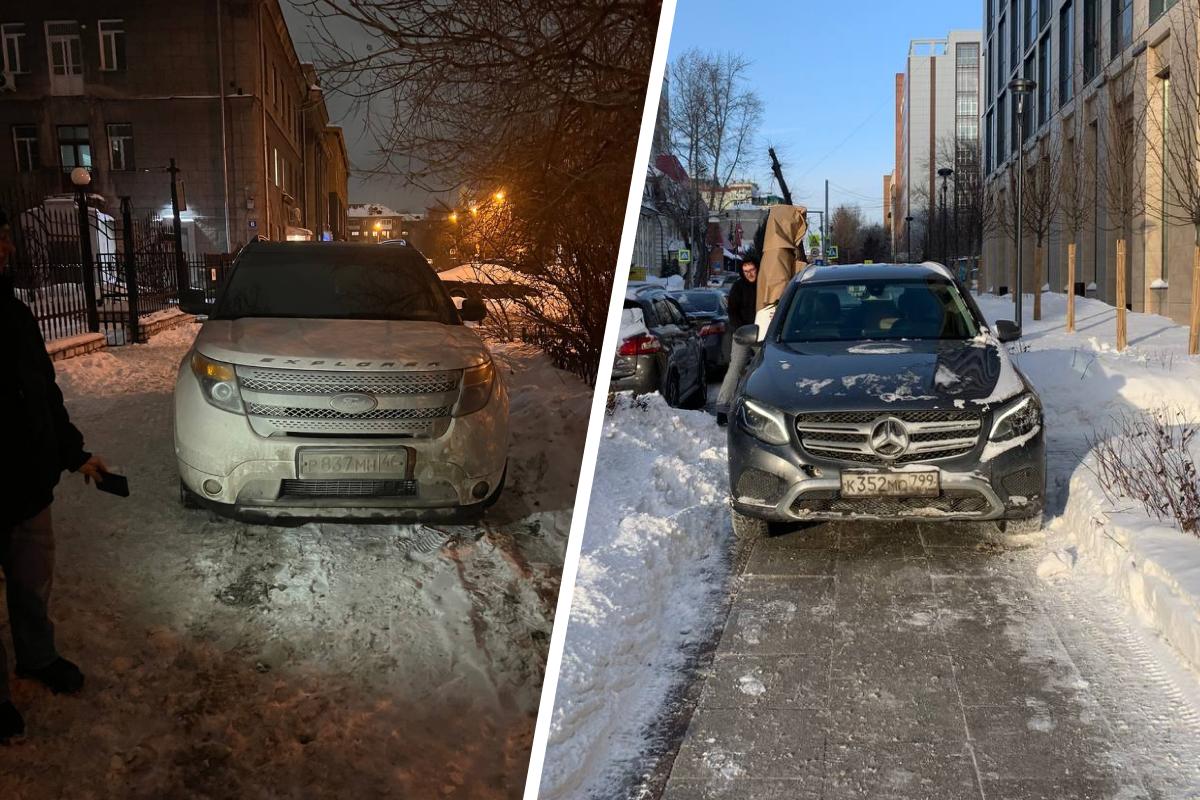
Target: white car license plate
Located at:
point(388, 463)
point(923, 483)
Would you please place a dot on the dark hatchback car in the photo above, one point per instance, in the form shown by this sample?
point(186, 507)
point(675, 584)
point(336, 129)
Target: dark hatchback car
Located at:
point(661, 354)
point(881, 392)
point(708, 310)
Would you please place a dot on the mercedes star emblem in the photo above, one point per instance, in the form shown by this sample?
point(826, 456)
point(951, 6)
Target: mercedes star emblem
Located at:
point(889, 438)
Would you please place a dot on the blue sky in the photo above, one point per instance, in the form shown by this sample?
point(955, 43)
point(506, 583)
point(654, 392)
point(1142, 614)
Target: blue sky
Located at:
point(826, 74)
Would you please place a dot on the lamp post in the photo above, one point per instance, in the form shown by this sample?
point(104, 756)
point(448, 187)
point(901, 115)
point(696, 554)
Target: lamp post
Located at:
point(908, 221)
point(81, 178)
point(944, 173)
point(1020, 88)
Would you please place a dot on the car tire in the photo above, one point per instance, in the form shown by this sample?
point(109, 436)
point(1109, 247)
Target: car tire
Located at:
point(670, 389)
point(699, 397)
point(188, 498)
point(1019, 527)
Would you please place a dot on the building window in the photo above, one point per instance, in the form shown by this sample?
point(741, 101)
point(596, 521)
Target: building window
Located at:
point(1030, 114)
point(989, 155)
point(1091, 39)
point(26, 142)
point(1157, 7)
point(112, 44)
point(1001, 129)
point(991, 14)
point(120, 147)
point(1122, 26)
point(275, 160)
point(1014, 37)
point(13, 35)
point(66, 58)
point(74, 147)
point(1044, 80)
point(1066, 53)
point(1031, 21)
point(1000, 73)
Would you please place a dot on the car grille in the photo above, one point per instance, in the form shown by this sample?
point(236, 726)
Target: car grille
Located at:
point(259, 410)
point(286, 381)
point(347, 488)
point(950, 502)
point(933, 435)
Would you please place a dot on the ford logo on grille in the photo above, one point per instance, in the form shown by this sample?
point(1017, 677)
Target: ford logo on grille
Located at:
point(353, 403)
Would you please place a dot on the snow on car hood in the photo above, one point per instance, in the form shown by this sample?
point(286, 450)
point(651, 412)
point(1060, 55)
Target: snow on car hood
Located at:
point(863, 375)
point(340, 344)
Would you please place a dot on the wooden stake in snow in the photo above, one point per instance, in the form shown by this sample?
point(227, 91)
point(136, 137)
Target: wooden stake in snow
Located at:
point(1071, 287)
point(1122, 322)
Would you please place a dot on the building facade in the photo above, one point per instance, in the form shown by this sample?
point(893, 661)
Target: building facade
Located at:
point(1103, 100)
point(938, 127)
point(121, 88)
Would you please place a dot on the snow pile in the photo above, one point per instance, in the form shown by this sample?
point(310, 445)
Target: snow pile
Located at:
point(1084, 383)
point(324, 661)
point(653, 561)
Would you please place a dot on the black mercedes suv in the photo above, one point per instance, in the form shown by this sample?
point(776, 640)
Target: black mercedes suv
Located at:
point(881, 392)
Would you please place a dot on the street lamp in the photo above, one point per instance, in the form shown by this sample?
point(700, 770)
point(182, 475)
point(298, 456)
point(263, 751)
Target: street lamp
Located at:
point(944, 173)
point(81, 178)
point(908, 221)
point(1021, 88)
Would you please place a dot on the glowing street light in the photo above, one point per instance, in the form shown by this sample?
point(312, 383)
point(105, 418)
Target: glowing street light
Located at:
point(499, 196)
point(454, 217)
point(474, 211)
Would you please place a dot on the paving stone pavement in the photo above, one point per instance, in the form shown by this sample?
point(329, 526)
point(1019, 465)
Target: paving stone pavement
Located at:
point(905, 662)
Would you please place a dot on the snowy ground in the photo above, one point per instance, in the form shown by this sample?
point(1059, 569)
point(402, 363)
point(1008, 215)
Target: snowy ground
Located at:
point(865, 661)
point(234, 661)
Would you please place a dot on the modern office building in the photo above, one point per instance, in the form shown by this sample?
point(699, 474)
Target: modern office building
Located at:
point(1103, 100)
point(121, 88)
point(937, 109)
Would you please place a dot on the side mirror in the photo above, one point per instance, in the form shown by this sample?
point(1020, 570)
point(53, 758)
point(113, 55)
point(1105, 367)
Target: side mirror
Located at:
point(195, 301)
point(473, 310)
point(746, 336)
point(1007, 331)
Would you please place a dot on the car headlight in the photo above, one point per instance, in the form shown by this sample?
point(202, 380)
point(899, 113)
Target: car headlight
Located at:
point(218, 383)
point(476, 388)
point(762, 422)
point(1020, 417)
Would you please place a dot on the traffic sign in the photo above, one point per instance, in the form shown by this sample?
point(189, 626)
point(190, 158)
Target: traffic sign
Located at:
point(685, 256)
point(833, 252)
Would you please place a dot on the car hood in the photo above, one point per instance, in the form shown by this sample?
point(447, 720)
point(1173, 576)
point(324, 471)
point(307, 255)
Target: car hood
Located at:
point(340, 344)
point(856, 376)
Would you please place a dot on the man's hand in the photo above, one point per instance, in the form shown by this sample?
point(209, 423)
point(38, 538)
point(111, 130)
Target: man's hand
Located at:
point(92, 469)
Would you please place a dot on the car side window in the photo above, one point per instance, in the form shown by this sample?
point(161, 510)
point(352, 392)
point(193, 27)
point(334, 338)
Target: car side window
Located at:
point(650, 316)
point(677, 315)
point(662, 310)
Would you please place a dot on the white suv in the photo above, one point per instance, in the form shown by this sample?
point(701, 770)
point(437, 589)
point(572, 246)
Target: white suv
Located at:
point(338, 380)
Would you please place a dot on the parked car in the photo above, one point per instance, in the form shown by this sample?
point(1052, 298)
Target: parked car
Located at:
point(339, 380)
point(660, 350)
point(708, 310)
point(880, 392)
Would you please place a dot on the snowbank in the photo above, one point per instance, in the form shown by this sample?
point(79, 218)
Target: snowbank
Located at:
point(1083, 380)
point(653, 562)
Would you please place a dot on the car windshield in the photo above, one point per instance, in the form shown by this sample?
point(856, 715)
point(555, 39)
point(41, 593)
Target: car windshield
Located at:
point(335, 282)
point(885, 310)
point(705, 302)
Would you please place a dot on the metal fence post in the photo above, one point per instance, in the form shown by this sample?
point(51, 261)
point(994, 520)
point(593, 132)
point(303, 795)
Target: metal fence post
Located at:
point(131, 275)
point(86, 262)
point(182, 281)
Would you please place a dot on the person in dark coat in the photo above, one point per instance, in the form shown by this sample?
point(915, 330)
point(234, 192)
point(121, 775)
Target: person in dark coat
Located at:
point(39, 442)
point(743, 306)
point(743, 296)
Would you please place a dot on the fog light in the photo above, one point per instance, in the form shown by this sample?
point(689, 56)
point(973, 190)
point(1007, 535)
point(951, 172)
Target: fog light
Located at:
point(481, 490)
point(212, 487)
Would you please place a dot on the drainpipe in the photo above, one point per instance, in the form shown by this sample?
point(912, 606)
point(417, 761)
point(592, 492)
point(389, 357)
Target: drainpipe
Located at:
point(224, 139)
point(262, 99)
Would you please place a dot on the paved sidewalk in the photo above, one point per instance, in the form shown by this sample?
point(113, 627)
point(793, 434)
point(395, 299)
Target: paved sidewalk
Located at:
point(904, 661)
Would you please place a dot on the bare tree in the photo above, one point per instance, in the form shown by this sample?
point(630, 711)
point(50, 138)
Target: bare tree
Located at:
point(1174, 142)
point(1122, 123)
point(689, 132)
point(1004, 218)
point(1075, 207)
point(540, 99)
point(1041, 194)
point(846, 225)
point(734, 113)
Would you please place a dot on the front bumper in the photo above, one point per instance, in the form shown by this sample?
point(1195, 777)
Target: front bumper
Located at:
point(226, 464)
point(786, 483)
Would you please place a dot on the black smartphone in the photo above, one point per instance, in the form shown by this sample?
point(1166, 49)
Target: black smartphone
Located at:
point(113, 484)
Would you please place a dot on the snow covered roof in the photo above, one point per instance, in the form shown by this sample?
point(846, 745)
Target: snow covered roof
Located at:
point(369, 210)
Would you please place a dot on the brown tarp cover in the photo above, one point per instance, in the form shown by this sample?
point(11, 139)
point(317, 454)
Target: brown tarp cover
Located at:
point(786, 227)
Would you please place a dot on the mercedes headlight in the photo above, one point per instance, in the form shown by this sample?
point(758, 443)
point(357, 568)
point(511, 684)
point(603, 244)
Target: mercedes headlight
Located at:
point(218, 383)
point(1018, 418)
point(762, 422)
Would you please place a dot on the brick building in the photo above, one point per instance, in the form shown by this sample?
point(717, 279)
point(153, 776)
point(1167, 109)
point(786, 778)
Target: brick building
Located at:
point(123, 87)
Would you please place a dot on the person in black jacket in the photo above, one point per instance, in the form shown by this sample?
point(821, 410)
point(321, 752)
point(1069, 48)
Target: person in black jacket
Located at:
point(743, 306)
point(39, 442)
